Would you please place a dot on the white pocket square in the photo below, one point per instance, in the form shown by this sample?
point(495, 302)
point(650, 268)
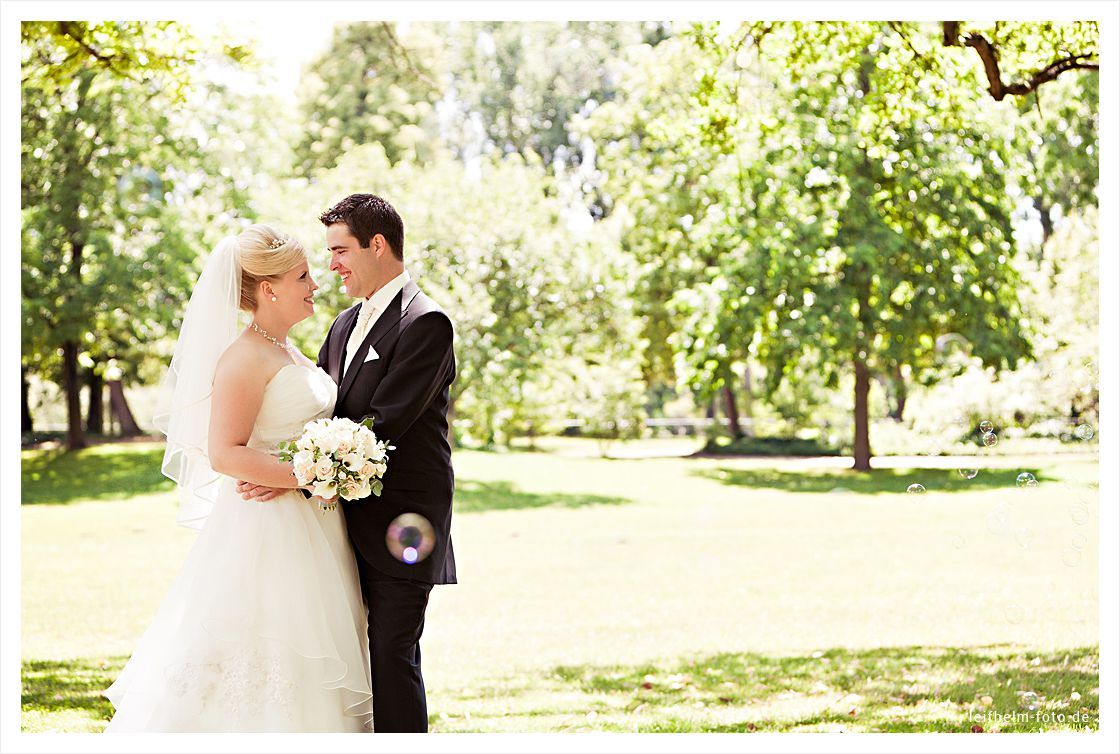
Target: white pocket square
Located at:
point(371, 356)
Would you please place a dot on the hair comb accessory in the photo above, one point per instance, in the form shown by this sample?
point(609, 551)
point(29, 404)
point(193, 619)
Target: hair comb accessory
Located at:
point(277, 243)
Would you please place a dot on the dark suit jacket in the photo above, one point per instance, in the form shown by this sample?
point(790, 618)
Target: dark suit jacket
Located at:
point(406, 392)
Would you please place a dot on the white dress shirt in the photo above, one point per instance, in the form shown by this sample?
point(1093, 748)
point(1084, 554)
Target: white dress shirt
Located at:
point(372, 308)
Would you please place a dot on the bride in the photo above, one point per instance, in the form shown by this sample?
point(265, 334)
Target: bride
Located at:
point(264, 627)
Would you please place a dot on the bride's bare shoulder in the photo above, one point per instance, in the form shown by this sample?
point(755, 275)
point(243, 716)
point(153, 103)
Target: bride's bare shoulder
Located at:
point(247, 363)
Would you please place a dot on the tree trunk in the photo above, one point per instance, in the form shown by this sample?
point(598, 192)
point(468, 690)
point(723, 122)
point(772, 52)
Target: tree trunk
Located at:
point(732, 412)
point(1047, 224)
point(121, 412)
point(75, 438)
point(862, 440)
point(27, 426)
point(95, 410)
point(748, 399)
point(898, 388)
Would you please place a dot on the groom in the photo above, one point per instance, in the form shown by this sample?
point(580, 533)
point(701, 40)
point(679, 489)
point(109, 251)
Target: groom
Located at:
point(392, 359)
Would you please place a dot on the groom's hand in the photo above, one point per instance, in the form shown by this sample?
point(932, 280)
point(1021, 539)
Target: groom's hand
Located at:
point(259, 493)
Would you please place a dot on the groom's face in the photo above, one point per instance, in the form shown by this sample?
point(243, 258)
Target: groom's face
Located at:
point(356, 266)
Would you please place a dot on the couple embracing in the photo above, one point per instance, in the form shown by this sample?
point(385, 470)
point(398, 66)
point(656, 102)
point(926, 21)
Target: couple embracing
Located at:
point(292, 613)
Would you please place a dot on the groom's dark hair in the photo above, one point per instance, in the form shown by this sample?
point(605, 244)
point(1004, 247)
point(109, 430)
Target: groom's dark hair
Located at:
point(367, 215)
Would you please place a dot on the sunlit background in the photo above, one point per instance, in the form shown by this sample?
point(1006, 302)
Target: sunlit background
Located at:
point(777, 398)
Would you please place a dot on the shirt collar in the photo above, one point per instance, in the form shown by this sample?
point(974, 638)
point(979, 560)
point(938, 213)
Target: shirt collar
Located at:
point(380, 298)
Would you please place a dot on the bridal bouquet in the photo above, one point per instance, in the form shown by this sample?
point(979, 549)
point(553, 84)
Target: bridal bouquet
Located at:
point(338, 458)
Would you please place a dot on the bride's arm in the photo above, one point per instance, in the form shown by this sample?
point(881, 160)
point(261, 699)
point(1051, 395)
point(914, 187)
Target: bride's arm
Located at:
point(237, 397)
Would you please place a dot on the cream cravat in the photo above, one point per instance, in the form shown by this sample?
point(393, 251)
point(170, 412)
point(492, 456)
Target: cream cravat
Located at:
point(365, 318)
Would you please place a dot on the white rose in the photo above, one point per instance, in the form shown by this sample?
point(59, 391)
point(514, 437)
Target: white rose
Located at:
point(346, 491)
point(305, 472)
point(363, 491)
point(368, 469)
point(328, 443)
point(324, 469)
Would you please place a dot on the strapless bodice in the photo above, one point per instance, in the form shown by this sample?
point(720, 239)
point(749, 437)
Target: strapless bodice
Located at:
point(294, 396)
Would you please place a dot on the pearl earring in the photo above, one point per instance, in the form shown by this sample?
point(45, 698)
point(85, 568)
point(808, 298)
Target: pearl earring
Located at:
point(273, 298)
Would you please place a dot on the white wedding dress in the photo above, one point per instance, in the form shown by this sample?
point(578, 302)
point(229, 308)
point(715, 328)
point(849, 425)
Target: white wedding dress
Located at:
point(264, 629)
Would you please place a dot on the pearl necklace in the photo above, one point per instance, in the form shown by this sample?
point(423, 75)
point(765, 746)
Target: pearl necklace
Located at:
point(253, 326)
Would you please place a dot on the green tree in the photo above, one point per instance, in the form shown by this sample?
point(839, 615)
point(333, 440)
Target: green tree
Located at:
point(866, 219)
point(370, 87)
point(494, 248)
point(527, 82)
point(680, 206)
point(112, 173)
point(1056, 149)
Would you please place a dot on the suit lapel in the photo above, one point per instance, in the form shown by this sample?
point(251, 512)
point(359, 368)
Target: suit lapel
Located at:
point(387, 321)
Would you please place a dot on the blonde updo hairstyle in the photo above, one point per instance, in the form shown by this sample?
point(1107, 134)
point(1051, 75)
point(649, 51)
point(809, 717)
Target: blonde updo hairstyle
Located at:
point(265, 253)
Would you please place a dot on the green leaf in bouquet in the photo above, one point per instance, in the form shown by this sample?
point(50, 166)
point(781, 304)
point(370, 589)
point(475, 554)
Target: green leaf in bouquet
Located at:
point(377, 486)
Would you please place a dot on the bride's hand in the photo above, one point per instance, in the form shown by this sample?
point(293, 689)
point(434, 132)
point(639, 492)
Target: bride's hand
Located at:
point(257, 492)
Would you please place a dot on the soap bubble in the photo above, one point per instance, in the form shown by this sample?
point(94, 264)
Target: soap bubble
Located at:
point(1025, 479)
point(1078, 541)
point(1084, 432)
point(986, 427)
point(968, 473)
point(1029, 699)
point(410, 538)
point(1079, 513)
point(990, 439)
point(1023, 537)
point(999, 519)
point(915, 488)
point(1015, 614)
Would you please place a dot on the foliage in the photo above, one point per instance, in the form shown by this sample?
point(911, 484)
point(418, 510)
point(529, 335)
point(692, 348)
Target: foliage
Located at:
point(524, 84)
point(532, 301)
point(768, 446)
point(1056, 151)
point(369, 87)
point(121, 187)
point(670, 194)
point(56, 53)
point(796, 201)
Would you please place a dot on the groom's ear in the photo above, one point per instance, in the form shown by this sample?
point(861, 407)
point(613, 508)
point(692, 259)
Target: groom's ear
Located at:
point(379, 245)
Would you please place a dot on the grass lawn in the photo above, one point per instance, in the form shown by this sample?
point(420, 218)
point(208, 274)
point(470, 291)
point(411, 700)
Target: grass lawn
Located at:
point(652, 593)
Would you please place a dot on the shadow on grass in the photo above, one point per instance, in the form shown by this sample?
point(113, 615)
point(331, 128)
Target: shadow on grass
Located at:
point(911, 689)
point(106, 472)
point(473, 496)
point(60, 690)
point(877, 481)
point(907, 689)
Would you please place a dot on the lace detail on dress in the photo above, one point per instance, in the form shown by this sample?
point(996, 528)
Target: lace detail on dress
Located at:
point(238, 684)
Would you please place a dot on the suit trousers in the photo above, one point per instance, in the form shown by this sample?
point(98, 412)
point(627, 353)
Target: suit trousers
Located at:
point(396, 620)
